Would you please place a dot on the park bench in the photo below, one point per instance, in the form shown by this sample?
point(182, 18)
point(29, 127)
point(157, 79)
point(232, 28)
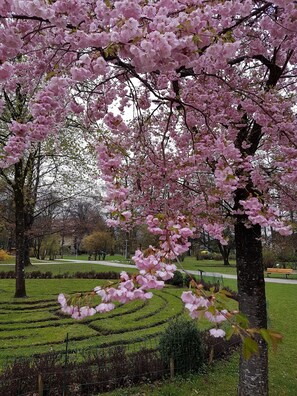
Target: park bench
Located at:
point(285, 271)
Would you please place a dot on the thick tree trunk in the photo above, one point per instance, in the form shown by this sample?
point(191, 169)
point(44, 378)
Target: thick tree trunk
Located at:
point(20, 287)
point(27, 261)
point(253, 373)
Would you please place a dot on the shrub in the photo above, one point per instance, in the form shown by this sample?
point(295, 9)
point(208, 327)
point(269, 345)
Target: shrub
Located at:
point(188, 278)
point(232, 256)
point(182, 344)
point(204, 255)
point(287, 254)
point(176, 280)
point(269, 258)
point(7, 275)
point(217, 256)
point(65, 275)
point(4, 255)
point(34, 275)
point(48, 275)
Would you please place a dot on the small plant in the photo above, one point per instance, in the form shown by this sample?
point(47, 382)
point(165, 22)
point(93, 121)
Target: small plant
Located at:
point(181, 346)
point(177, 279)
point(269, 258)
point(203, 255)
point(286, 255)
point(4, 255)
point(217, 256)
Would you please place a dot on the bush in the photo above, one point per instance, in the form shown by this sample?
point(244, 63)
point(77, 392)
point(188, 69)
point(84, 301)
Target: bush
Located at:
point(287, 254)
point(203, 255)
point(232, 256)
point(188, 278)
point(217, 256)
point(65, 275)
point(7, 275)
point(4, 255)
point(34, 275)
point(269, 258)
point(176, 280)
point(48, 275)
point(182, 344)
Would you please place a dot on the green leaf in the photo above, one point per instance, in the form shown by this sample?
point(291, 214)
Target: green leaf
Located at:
point(266, 336)
point(229, 333)
point(242, 320)
point(250, 347)
point(212, 310)
point(225, 293)
point(196, 39)
point(49, 75)
point(273, 338)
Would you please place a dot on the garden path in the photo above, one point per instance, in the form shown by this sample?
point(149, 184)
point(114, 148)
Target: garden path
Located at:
point(120, 265)
point(213, 274)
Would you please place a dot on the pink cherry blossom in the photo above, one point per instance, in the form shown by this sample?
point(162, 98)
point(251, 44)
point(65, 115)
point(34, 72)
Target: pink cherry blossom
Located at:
point(191, 106)
point(217, 333)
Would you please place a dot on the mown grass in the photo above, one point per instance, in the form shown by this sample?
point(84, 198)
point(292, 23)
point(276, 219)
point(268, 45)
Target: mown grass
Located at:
point(57, 268)
point(117, 258)
point(35, 324)
point(222, 377)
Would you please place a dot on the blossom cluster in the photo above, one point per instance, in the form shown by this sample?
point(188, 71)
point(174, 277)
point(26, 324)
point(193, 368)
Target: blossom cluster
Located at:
point(129, 289)
point(258, 213)
point(202, 306)
point(154, 266)
point(75, 311)
point(173, 234)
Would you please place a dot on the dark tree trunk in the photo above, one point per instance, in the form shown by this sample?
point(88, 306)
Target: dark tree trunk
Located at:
point(226, 260)
point(20, 287)
point(225, 251)
point(253, 373)
point(27, 261)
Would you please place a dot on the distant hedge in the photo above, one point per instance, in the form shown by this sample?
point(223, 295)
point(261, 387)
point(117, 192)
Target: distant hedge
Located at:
point(65, 275)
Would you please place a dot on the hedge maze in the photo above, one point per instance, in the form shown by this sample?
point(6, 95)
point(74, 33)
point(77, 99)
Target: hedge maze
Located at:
point(35, 325)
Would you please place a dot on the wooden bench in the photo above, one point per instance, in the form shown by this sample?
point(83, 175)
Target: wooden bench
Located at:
point(285, 271)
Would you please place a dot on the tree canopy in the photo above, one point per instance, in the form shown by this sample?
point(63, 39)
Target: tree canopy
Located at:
point(196, 106)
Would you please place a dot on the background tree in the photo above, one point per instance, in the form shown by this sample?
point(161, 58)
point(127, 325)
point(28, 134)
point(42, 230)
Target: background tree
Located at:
point(98, 243)
point(32, 178)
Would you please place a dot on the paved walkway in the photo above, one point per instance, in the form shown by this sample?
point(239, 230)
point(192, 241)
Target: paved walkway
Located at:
point(120, 265)
point(213, 274)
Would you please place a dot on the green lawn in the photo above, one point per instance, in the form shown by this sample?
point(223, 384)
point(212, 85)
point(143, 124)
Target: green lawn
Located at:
point(34, 325)
point(115, 258)
point(71, 268)
point(221, 379)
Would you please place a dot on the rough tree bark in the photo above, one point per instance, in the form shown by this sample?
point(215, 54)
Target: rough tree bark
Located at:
point(252, 301)
point(225, 251)
point(20, 287)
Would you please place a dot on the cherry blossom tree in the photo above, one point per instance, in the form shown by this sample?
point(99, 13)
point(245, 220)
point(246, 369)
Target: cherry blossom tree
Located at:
point(196, 104)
